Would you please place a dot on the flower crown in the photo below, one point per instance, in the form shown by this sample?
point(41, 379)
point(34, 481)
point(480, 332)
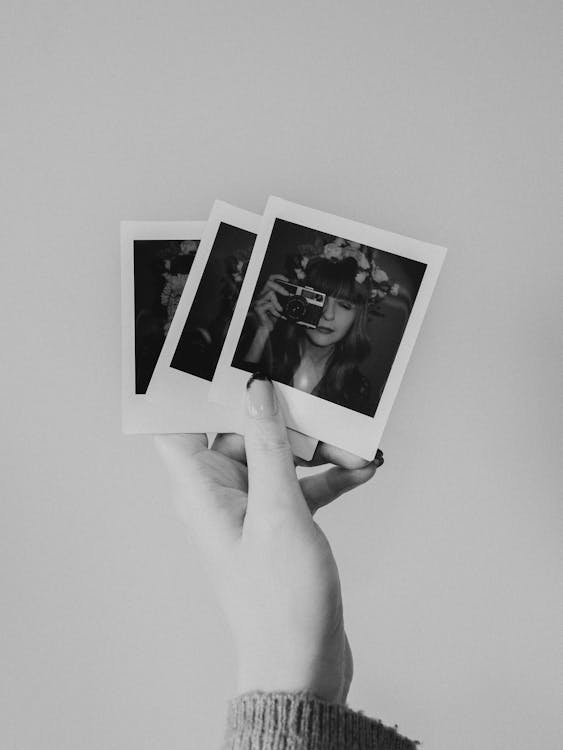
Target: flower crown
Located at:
point(368, 272)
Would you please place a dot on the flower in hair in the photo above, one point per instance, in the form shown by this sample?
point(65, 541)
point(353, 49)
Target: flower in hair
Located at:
point(361, 276)
point(332, 251)
point(379, 275)
point(187, 247)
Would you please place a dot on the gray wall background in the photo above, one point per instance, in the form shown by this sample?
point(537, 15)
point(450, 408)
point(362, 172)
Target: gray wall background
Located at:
point(433, 119)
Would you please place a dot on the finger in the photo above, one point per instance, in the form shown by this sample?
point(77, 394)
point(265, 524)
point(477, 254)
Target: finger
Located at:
point(177, 450)
point(269, 307)
point(273, 297)
point(272, 481)
point(270, 298)
point(230, 444)
point(210, 521)
point(272, 282)
point(330, 454)
point(322, 489)
point(277, 288)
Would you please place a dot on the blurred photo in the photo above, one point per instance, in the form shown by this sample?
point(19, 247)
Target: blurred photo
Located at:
point(161, 269)
point(206, 326)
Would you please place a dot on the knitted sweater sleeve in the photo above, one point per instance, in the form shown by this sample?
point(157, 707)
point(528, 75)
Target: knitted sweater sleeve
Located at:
point(299, 721)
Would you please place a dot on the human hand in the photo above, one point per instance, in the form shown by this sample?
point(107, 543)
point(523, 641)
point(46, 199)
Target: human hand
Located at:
point(270, 563)
point(267, 306)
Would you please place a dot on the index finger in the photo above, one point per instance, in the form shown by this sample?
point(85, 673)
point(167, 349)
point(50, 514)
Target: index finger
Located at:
point(176, 450)
point(276, 287)
point(210, 515)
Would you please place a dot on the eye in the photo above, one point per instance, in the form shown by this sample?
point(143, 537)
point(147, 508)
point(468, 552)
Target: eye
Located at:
point(345, 304)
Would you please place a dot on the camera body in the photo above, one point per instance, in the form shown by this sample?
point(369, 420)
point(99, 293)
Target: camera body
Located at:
point(303, 306)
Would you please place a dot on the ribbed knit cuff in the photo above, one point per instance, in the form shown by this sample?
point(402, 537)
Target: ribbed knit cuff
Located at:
point(299, 721)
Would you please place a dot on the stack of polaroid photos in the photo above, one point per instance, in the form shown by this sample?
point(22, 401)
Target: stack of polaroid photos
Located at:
point(328, 308)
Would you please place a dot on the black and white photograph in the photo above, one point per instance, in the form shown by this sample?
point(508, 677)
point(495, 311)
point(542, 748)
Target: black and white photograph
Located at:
point(189, 356)
point(330, 314)
point(156, 261)
point(206, 326)
point(161, 269)
point(327, 315)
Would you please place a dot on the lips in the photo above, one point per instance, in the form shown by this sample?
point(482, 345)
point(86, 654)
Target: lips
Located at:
point(324, 329)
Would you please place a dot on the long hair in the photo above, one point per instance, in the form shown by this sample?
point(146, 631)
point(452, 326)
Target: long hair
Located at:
point(335, 279)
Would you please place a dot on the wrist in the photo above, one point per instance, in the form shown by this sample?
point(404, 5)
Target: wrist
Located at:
point(327, 686)
point(262, 334)
point(258, 343)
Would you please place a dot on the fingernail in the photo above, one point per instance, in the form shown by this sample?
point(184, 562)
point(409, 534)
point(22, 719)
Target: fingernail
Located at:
point(261, 399)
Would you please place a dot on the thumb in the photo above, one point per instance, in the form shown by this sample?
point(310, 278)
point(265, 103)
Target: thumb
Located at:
point(272, 481)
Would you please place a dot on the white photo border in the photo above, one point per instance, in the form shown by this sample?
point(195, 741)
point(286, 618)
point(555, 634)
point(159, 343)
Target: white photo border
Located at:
point(139, 414)
point(193, 411)
point(320, 418)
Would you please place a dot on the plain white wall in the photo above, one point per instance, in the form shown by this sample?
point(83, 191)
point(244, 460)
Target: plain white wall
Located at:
point(433, 119)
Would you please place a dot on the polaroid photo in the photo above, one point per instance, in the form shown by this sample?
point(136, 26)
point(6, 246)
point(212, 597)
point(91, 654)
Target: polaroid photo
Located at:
point(330, 310)
point(156, 260)
point(188, 358)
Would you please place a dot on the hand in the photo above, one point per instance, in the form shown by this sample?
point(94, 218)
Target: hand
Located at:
point(267, 306)
point(271, 565)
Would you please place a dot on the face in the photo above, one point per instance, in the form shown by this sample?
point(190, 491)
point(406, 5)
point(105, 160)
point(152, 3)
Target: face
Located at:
point(336, 320)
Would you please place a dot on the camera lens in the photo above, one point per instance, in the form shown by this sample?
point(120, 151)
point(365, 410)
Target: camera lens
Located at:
point(295, 308)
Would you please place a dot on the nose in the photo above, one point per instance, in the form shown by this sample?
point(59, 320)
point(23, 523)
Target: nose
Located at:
point(328, 310)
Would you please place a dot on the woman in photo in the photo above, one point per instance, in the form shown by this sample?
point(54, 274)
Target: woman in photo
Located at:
point(324, 359)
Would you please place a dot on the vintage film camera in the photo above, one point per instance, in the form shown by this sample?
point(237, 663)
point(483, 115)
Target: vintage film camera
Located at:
point(304, 305)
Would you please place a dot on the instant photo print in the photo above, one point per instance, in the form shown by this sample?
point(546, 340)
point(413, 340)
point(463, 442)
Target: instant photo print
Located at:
point(330, 309)
point(156, 261)
point(188, 359)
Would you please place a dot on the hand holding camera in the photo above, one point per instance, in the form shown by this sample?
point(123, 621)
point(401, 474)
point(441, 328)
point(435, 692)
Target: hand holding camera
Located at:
point(280, 298)
point(268, 307)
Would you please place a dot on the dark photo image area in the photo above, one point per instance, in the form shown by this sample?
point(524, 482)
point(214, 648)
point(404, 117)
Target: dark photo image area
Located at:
point(327, 315)
point(202, 338)
point(161, 268)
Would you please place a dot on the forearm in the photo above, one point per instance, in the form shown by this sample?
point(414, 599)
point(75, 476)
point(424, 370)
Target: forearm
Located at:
point(299, 721)
point(257, 346)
